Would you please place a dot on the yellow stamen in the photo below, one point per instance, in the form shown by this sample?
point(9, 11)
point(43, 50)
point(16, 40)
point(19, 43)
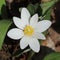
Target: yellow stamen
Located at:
point(28, 30)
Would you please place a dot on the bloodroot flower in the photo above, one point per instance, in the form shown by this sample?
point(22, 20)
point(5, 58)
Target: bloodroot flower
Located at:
point(29, 30)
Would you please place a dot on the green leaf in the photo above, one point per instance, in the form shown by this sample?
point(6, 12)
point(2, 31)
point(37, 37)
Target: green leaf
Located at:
point(36, 6)
point(4, 25)
point(47, 15)
point(45, 6)
point(53, 56)
point(31, 9)
point(2, 2)
point(38, 9)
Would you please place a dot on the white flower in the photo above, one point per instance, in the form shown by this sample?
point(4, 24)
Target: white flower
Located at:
point(29, 30)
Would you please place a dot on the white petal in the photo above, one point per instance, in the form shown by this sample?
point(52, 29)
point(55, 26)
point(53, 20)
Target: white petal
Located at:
point(39, 36)
point(15, 34)
point(43, 25)
point(25, 15)
point(19, 23)
point(34, 20)
point(34, 44)
point(23, 42)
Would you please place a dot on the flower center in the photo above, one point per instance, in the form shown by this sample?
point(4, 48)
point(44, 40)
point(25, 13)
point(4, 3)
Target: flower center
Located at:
point(28, 30)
